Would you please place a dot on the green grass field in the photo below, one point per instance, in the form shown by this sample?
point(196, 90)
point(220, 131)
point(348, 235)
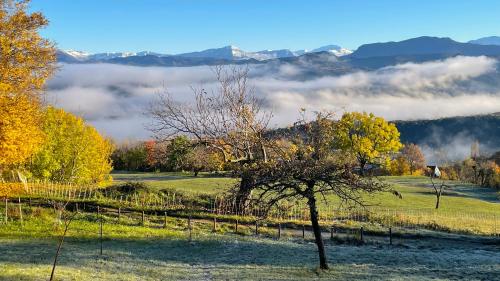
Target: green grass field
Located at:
point(183, 182)
point(417, 192)
point(463, 207)
point(133, 251)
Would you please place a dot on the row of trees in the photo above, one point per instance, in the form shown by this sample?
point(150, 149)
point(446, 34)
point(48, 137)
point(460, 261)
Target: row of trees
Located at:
point(37, 141)
point(176, 154)
point(480, 171)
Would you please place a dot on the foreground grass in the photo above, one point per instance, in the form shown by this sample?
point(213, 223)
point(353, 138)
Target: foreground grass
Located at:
point(134, 252)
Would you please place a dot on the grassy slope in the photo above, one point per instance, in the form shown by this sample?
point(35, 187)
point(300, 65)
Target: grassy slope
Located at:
point(179, 181)
point(464, 207)
point(417, 192)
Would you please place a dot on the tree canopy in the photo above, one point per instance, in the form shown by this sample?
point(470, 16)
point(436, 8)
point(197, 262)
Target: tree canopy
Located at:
point(228, 119)
point(414, 156)
point(308, 167)
point(72, 152)
point(26, 61)
point(369, 138)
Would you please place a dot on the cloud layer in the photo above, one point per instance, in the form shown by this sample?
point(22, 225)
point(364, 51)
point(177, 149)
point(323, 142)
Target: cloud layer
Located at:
point(115, 97)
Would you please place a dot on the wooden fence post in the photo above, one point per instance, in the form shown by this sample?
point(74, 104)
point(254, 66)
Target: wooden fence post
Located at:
point(189, 228)
point(20, 210)
point(143, 219)
point(119, 213)
point(303, 231)
point(332, 230)
point(215, 225)
point(236, 226)
point(256, 227)
point(6, 210)
point(165, 222)
point(279, 230)
point(361, 235)
point(100, 235)
point(390, 235)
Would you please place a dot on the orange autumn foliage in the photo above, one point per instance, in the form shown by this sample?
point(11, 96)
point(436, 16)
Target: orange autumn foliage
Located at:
point(26, 61)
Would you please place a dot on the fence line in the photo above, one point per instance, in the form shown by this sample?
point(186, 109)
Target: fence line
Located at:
point(285, 212)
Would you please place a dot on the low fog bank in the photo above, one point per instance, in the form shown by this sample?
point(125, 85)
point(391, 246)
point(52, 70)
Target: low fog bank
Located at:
point(115, 98)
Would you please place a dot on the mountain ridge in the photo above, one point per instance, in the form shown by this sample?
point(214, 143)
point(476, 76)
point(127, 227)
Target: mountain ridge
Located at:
point(490, 40)
point(228, 52)
point(425, 45)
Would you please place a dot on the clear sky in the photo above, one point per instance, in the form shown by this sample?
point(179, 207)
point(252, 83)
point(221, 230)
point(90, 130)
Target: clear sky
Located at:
point(175, 26)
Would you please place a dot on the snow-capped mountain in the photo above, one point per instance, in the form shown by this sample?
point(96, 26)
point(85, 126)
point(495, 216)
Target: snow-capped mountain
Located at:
point(229, 53)
point(87, 57)
point(334, 49)
point(235, 53)
point(79, 55)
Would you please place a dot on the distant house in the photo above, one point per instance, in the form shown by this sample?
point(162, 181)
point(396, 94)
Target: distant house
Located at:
point(434, 171)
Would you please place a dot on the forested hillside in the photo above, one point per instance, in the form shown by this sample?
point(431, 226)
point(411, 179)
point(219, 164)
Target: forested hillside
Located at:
point(438, 132)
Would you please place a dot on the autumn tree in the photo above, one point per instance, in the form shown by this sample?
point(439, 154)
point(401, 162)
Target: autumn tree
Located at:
point(73, 151)
point(308, 167)
point(26, 61)
point(203, 159)
point(228, 119)
point(399, 166)
point(151, 158)
point(367, 137)
point(414, 156)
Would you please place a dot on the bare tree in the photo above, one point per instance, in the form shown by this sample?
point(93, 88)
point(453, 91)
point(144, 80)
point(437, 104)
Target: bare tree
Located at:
point(438, 187)
point(66, 217)
point(228, 119)
point(310, 168)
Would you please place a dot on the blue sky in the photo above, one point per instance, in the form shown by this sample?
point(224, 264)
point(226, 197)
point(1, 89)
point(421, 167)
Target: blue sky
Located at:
point(175, 26)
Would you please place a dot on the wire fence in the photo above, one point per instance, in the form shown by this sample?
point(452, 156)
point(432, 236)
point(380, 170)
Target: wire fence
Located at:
point(374, 218)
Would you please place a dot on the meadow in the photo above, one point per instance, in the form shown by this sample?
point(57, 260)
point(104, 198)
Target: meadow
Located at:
point(134, 252)
point(163, 248)
point(464, 207)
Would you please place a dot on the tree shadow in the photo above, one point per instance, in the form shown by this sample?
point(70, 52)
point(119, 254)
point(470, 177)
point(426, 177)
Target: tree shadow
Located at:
point(230, 252)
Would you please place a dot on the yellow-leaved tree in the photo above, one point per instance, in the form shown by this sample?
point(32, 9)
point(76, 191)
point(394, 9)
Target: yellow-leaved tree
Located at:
point(73, 151)
point(26, 61)
point(367, 137)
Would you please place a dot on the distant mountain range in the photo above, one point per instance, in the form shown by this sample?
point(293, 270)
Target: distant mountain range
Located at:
point(227, 53)
point(331, 58)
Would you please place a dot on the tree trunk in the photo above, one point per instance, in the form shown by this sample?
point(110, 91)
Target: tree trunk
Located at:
point(362, 165)
point(438, 196)
point(317, 232)
point(244, 192)
point(196, 173)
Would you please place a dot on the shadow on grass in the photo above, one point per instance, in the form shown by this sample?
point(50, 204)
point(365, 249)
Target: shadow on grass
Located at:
point(479, 193)
point(261, 255)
